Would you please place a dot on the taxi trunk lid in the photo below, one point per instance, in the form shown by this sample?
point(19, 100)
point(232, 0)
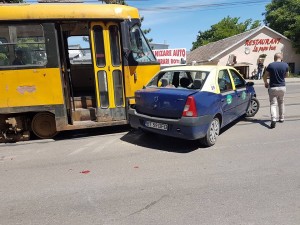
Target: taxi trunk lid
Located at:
point(162, 102)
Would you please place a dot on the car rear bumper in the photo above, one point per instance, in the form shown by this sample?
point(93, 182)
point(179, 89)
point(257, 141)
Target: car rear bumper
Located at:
point(189, 128)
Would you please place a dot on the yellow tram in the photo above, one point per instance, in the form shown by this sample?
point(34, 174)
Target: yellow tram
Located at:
point(69, 66)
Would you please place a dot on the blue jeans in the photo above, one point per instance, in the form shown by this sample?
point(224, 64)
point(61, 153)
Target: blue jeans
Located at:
point(259, 75)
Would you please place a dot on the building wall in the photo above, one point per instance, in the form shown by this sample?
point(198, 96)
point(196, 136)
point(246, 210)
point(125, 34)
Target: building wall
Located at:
point(264, 42)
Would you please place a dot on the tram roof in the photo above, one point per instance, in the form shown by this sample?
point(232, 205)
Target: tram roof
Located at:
point(65, 11)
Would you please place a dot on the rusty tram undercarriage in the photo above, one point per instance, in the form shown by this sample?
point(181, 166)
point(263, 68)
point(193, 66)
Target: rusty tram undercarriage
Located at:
point(14, 129)
point(19, 127)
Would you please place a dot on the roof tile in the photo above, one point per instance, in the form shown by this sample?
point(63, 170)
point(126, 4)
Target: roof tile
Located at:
point(207, 52)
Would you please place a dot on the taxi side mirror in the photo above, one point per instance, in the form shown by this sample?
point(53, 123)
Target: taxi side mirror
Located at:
point(250, 84)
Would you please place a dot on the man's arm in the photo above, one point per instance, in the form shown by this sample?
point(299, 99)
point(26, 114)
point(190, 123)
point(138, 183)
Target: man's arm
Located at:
point(265, 77)
point(286, 74)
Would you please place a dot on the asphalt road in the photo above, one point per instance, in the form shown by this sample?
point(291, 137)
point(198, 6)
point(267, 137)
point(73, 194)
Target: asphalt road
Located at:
point(117, 176)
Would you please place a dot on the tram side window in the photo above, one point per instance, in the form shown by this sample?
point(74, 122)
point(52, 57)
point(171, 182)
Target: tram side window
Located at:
point(140, 49)
point(22, 45)
point(114, 37)
point(4, 52)
point(99, 46)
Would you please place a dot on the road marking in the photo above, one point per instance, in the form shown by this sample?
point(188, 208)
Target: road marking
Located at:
point(104, 145)
point(77, 151)
point(255, 144)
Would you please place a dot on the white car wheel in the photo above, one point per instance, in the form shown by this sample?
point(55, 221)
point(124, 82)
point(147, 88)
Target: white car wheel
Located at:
point(212, 133)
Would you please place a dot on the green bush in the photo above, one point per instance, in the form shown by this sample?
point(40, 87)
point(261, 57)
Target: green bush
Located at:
point(291, 75)
point(3, 59)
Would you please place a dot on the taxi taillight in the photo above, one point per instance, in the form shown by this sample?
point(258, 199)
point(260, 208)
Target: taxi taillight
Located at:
point(190, 109)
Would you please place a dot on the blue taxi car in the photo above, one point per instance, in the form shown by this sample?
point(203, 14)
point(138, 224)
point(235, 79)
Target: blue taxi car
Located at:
point(193, 102)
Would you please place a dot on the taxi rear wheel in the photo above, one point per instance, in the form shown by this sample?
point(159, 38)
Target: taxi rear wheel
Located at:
point(212, 133)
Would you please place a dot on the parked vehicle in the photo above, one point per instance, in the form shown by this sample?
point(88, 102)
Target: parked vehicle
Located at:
point(193, 102)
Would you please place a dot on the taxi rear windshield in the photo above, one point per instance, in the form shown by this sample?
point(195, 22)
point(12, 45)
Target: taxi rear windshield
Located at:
point(179, 79)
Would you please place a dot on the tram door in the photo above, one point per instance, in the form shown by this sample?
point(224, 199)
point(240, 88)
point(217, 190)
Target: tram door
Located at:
point(106, 56)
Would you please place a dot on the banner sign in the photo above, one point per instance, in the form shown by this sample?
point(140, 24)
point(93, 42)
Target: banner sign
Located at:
point(171, 57)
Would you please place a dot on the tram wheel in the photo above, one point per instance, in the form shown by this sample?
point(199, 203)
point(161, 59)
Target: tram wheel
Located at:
point(43, 125)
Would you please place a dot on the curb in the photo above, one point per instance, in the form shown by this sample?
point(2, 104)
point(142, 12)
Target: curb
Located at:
point(287, 81)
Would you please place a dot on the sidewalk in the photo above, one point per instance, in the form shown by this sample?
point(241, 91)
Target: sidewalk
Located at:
point(287, 80)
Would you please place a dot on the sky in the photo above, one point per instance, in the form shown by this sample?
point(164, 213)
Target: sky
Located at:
point(177, 22)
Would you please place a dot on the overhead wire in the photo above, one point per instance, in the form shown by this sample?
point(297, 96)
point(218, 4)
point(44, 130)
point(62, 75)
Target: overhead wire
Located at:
point(85, 1)
point(184, 7)
point(204, 6)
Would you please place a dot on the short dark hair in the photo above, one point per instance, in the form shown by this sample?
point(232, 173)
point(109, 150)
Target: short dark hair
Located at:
point(278, 56)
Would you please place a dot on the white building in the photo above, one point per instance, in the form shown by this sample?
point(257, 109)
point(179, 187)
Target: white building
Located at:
point(244, 50)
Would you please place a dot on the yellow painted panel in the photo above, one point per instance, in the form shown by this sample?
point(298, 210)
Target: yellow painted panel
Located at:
point(66, 11)
point(131, 101)
point(138, 76)
point(30, 87)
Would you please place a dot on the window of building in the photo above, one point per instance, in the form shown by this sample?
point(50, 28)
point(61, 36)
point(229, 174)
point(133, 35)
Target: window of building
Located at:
point(291, 67)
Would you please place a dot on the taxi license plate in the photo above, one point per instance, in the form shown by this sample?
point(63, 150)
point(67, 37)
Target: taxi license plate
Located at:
point(160, 126)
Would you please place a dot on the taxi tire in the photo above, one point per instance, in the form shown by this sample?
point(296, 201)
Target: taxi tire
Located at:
point(212, 133)
point(253, 107)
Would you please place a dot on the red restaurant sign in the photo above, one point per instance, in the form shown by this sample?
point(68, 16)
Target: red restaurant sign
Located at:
point(261, 45)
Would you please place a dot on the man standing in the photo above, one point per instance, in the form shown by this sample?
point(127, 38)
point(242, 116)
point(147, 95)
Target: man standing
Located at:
point(19, 58)
point(276, 72)
point(260, 67)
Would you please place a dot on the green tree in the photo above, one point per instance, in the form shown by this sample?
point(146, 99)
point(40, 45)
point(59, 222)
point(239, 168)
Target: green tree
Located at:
point(284, 17)
point(227, 27)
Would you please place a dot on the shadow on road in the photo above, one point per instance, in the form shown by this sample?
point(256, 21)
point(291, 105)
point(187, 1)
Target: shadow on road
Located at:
point(72, 134)
point(165, 143)
point(160, 142)
point(148, 140)
point(264, 123)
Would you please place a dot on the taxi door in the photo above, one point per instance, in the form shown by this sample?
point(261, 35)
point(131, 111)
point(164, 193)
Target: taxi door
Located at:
point(228, 96)
point(243, 96)
point(106, 55)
